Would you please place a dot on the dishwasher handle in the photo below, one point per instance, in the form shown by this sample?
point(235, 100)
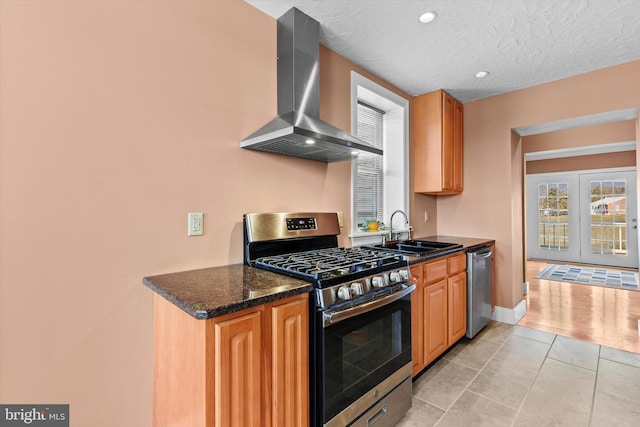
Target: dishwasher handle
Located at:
point(482, 255)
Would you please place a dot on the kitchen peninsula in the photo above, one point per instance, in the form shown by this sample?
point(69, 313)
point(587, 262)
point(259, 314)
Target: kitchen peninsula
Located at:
point(232, 342)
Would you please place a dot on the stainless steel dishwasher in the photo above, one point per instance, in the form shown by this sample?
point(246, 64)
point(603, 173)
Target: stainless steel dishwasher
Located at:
point(479, 279)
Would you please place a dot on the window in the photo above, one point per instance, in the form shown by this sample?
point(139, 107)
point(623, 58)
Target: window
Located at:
point(608, 219)
point(553, 216)
point(379, 183)
point(369, 184)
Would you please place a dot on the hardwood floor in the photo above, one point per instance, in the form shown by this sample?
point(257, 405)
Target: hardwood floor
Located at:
point(600, 315)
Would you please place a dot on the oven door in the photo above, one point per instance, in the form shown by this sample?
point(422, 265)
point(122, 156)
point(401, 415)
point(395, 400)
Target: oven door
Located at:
point(364, 353)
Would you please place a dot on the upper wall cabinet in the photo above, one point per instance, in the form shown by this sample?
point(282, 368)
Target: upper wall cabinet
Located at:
point(438, 139)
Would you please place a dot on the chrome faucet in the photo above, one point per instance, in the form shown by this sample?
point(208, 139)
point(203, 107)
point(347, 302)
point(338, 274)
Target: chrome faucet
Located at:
point(391, 236)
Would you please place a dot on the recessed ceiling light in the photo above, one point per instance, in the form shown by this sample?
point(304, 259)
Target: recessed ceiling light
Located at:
point(354, 153)
point(427, 17)
point(310, 141)
point(482, 74)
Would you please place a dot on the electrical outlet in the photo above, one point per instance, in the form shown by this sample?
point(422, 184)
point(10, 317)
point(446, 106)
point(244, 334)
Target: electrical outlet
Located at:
point(426, 216)
point(196, 225)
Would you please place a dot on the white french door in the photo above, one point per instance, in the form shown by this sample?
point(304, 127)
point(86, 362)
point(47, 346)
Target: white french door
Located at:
point(552, 207)
point(609, 219)
point(586, 217)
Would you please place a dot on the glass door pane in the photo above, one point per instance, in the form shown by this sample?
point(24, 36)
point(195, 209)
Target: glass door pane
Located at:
point(608, 217)
point(552, 217)
point(609, 237)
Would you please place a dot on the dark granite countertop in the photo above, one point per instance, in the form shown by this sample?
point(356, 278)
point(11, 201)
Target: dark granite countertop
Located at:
point(468, 243)
point(212, 292)
point(215, 291)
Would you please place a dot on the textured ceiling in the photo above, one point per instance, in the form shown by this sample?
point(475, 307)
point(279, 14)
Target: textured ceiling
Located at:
point(521, 43)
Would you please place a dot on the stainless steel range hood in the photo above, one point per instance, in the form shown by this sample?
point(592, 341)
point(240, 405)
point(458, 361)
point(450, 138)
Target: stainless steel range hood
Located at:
point(298, 130)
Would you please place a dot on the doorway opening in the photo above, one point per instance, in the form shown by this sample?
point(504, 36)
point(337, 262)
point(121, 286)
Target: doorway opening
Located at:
point(583, 217)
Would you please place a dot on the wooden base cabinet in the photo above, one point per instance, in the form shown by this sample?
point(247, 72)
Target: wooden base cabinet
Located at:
point(457, 302)
point(435, 316)
point(417, 319)
point(457, 307)
point(248, 368)
point(237, 370)
point(290, 364)
point(439, 308)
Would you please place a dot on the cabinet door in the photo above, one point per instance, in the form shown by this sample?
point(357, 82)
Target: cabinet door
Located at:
point(435, 314)
point(457, 309)
point(427, 150)
point(458, 143)
point(237, 371)
point(417, 320)
point(448, 145)
point(438, 129)
point(290, 364)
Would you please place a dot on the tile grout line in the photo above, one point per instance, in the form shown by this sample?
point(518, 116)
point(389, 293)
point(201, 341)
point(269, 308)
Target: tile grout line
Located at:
point(429, 403)
point(519, 410)
point(595, 386)
point(490, 399)
point(474, 378)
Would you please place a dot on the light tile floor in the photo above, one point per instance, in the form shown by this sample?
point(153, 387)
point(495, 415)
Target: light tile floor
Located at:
point(517, 376)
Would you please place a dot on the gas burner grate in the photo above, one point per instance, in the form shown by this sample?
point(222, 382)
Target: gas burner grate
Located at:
point(330, 263)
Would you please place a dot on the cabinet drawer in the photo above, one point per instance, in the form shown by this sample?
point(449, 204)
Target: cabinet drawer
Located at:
point(417, 274)
point(434, 271)
point(457, 263)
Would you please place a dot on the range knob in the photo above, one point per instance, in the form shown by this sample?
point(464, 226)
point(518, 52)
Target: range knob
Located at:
point(344, 293)
point(356, 289)
point(394, 277)
point(377, 281)
point(404, 274)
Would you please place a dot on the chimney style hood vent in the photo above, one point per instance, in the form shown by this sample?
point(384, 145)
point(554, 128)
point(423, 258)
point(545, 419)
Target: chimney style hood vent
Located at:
point(298, 130)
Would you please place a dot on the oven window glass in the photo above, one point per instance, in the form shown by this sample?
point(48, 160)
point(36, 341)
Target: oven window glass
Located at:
point(362, 351)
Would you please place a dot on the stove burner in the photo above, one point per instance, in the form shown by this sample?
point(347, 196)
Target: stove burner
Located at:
point(324, 264)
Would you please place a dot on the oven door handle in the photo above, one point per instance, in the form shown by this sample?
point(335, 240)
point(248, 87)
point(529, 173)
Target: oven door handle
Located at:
point(332, 317)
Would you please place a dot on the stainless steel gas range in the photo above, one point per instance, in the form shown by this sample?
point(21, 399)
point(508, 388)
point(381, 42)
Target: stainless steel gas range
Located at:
point(360, 316)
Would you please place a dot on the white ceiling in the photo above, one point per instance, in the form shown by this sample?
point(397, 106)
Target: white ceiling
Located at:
point(521, 43)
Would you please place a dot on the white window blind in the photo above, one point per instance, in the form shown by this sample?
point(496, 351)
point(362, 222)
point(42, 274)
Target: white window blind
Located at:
point(369, 195)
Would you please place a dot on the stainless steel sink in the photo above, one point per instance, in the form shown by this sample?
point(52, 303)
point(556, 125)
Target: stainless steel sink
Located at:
point(417, 247)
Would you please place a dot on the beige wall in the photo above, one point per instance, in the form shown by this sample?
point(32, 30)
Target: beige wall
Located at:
point(622, 131)
point(580, 137)
point(594, 161)
point(491, 205)
point(117, 119)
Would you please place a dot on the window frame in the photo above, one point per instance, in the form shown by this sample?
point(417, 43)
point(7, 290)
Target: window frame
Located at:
point(396, 119)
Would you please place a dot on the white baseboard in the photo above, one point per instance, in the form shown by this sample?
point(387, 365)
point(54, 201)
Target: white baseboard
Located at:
point(510, 315)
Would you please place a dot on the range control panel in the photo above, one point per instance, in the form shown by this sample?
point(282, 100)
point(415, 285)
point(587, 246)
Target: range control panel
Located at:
point(295, 224)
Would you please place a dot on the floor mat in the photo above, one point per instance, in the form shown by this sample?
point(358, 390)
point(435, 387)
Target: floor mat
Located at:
point(590, 276)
